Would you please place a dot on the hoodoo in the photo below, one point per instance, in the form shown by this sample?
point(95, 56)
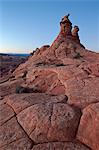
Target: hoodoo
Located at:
point(75, 34)
point(66, 26)
point(67, 34)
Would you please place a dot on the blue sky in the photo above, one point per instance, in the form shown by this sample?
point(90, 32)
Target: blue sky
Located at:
point(28, 24)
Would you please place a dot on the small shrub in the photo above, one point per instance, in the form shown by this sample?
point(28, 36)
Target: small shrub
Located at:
point(77, 56)
point(58, 65)
point(41, 64)
point(20, 89)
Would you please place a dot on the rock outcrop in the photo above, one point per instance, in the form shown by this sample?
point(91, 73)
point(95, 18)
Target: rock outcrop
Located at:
point(58, 108)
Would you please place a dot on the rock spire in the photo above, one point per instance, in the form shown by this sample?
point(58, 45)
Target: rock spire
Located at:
point(66, 26)
point(75, 34)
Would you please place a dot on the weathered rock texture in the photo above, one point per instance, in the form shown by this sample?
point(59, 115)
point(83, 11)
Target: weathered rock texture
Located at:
point(88, 131)
point(60, 109)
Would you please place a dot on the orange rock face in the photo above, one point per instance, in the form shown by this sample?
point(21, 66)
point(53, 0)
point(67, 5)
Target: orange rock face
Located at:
point(60, 108)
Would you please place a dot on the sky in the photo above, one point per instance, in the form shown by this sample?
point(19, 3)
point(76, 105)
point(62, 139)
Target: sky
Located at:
point(28, 24)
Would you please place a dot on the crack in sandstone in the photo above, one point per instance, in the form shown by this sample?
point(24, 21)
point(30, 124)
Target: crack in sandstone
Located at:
point(7, 120)
point(4, 81)
point(51, 112)
point(32, 131)
point(18, 138)
point(16, 141)
point(50, 118)
point(17, 121)
point(24, 130)
point(76, 131)
point(75, 141)
point(11, 107)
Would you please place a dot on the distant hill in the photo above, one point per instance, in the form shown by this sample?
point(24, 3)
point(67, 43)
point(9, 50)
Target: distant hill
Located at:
point(14, 54)
point(9, 62)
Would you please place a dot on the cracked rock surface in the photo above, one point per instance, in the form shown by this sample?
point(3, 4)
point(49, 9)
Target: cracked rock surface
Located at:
point(28, 123)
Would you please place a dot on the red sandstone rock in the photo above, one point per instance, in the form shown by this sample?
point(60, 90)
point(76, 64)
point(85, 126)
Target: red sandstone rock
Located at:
point(50, 122)
point(6, 113)
point(64, 123)
point(20, 102)
point(66, 26)
point(9, 87)
point(88, 132)
point(75, 34)
point(60, 146)
point(82, 92)
point(41, 50)
point(20, 144)
point(11, 131)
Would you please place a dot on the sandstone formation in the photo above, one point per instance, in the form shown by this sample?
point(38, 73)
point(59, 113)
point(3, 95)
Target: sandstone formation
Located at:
point(75, 34)
point(56, 106)
point(90, 123)
point(66, 26)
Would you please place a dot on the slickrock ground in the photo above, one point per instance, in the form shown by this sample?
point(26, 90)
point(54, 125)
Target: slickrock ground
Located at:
point(56, 104)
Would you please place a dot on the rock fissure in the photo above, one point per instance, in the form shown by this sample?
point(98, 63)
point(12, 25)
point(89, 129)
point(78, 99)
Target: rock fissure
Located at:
point(51, 113)
point(4, 81)
point(15, 141)
point(23, 129)
point(7, 120)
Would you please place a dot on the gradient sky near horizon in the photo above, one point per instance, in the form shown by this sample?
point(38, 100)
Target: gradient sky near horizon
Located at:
point(28, 24)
